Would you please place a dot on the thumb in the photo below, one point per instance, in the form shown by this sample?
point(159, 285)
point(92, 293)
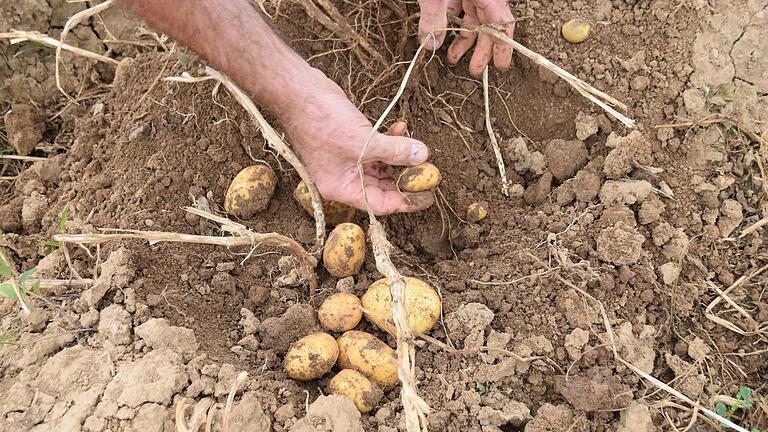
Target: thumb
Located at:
point(396, 150)
point(434, 16)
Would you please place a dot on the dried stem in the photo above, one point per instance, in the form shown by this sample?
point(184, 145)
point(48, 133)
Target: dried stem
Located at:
point(492, 136)
point(14, 281)
point(414, 406)
point(231, 397)
point(17, 36)
point(279, 145)
point(242, 237)
point(600, 98)
point(71, 22)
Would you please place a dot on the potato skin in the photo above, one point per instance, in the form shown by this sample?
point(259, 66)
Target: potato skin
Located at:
point(476, 212)
point(576, 30)
point(340, 312)
point(250, 191)
point(311, 357)
point(368, 355)
point(344, 251)
point(335, 212)
point(422, 303)
point(356, 387)
point(419, 178)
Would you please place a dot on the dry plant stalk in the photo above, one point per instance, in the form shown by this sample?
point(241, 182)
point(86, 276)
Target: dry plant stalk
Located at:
point(279, 145)
point(492, 136)
point(723, 295)
point(335, 22)
point(242, 236)
point(414, 407)
point(16, 36)
point(230, 398)
point(600, 98)
point(71, 22)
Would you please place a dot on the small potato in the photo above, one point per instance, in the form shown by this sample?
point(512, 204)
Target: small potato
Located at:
point(421, 303)
point(476, 212)
point(419, 178)
point(576, 30)
point(311, 357)
point(368, 355)
point(250, 191)
point(340, 312)
point(335, 212)
point(344, 251)
point(354, 386)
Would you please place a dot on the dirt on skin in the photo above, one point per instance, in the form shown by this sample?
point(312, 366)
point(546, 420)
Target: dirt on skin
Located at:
point(647, 222)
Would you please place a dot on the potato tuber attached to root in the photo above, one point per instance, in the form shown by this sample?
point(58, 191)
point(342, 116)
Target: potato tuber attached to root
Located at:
point(422, 304)
point(344, 251)
point(335, 212)
point(311, 357)
point(250, 191)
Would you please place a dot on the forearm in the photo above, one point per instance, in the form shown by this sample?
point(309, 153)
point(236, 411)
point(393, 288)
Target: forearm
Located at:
point(233, 37)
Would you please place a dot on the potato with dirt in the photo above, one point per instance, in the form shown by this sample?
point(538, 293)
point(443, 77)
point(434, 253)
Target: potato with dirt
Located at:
point(344, 251)
point(250, 191)
point(311, 357)
point(340, 312)
point(356, 387)
point(368, 355)
point(419, 178)
point(422, 304)
point(335, 212)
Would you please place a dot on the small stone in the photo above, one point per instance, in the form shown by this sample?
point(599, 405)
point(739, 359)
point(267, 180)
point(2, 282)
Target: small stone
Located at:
point(586, 126)
point(669, 273)
point(90, 318)
point(636, 418)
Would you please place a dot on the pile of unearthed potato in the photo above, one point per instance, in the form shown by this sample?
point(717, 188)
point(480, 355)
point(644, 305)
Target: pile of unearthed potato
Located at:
point(368, 366)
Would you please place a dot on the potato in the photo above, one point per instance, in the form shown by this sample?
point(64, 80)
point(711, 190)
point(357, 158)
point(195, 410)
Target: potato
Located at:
point(368, 355)
point(250, 191)
point(476, 212)
point(344, 251)
point(576, 30)
point(354, 386)
point(419, 178)
point(311, 357)
point(422, 304)
point(340, 312)
point(335, 212)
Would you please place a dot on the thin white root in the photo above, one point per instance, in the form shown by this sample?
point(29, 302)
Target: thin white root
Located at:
point(242, 236)
point(414, 406)
point(600, 98)
point(71, 22)
point(16, 36)
point(278, 144)
point(492, 136)
point(231, 397)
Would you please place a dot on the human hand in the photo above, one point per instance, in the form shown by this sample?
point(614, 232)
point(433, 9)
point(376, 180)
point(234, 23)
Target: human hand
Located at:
point(434, 17)
point(329, 132)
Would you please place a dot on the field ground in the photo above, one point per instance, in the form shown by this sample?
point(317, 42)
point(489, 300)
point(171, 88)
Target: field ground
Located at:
point(658, 225)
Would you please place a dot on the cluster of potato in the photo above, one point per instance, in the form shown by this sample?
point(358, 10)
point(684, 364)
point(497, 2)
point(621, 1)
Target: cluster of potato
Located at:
point(368, 365)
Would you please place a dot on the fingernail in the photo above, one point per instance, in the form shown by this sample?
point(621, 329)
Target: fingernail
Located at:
point(419, 153)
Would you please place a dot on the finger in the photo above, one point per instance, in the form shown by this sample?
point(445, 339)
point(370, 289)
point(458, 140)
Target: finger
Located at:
point(465, 39)
point(454, 7)
point(433, 18)
point(502, 52)
point(497, 12)
point(396, 150)
point(388, 202)
point(397, 129)
point(482, 55)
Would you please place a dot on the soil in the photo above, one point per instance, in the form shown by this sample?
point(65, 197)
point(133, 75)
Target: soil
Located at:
point(648, 222)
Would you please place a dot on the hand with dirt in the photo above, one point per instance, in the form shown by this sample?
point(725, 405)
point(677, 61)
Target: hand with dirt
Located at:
point(327, 130)
point(434, 20)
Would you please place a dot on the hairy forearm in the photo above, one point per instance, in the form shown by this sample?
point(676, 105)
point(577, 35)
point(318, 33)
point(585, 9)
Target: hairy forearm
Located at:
point(233, 37)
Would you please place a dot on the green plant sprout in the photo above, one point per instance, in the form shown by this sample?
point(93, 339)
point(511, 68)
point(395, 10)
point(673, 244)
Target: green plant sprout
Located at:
point(744, 401)
point(16, 287)
point(62, 227)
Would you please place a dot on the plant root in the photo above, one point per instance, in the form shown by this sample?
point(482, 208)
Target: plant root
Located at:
point(492, 136)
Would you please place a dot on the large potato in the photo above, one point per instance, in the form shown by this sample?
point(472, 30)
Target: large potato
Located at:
point(368, 355)
point(250, 191)
point(354, 386)
point(419, 178)
point(344, 251)
point(340, 312)
point(335, 212)
point(311, 357)
point(422, 304)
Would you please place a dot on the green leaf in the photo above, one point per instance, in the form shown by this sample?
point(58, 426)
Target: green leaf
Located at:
point(6, 290)
point(52, 243)
point(744, 394)
point(63, 218)
point(6, 339)
point(720, 409)
point(5, 269)
point(25, 276)
point(35, 287)
point(182, 58)
point(481, 389)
